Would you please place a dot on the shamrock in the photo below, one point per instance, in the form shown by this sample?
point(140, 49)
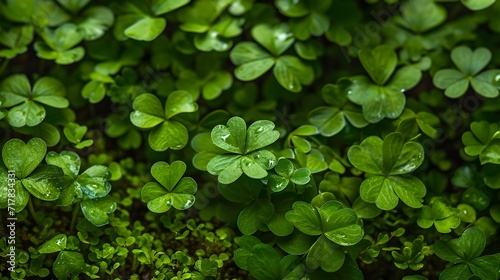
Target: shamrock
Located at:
point(16, 39)
point(296, 138)
point(94, 22)
point(484, 141)
point(67, 262)
point(412, 122)
point(469, 63)
point(465, 255)
point(16, 91)
point(59, 44)
point(90, 188)
point(286, 172)
point(22, 160)
point(386, 161)
point(308, 16)
point(382, 96)
point(74, 133)
point(167, 133)
point(252, 61)
point(245, 150)
point(440, 214)
point(336, 226)
point(170, 190)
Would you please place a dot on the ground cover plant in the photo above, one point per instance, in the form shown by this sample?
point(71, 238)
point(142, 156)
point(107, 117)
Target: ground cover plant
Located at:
point(247, 139)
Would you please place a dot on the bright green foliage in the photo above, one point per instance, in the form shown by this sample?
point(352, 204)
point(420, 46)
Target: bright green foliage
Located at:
point(166, 133)
point(308, 17)
point(484, 141)
point(244, 150)
point(15, 40)
point(26, 102)
point(60, 44)
point(74, 133)
point(469, 64)
point(252, 61)
point(412, 123)
point(382, 95)
point(386, 160)
point(465, 255)
point(171, 190)
point(90, 188)
point(23, 161)
point(286, 172)
point(335, 225)
point(440, 214)
point(411, 256)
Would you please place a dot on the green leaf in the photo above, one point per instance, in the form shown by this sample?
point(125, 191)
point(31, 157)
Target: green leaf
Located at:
point(275, 39)
point(97, 210)
point(73, 5)
point(179, 102)
point(483, 140)
point(14, 89)
point(68, 263)
point(340, 225)
point(305, 218)
point(169, 135)
point(95, 22)
point(291, 73)
point(379, 62)
point(22, 195)
point(68, 161)
point(251, 61)
point(255, 215)
point(51, 92)
point(442, 216)
point(94, 181)
point(55, 244)
point(477, 4)
point(467, 247)
point(284, 167)
point(423, 15)
point(23, 158)
point(28, 113)
point(148, 111)
point(160, 7)
point(58, 44)
point(325, 254)
point(244, 190)
point(231, 138)
point(264, 263)
point(146, 28)
point(43, 182)
point(260, 134)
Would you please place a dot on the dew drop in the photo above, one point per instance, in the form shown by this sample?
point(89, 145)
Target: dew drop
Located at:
point(260, 129)
point(349, 92)
point(271, 163)
point(402, 90)
point(224, 137)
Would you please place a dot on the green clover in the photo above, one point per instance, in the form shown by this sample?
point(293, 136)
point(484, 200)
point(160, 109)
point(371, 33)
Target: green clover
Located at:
point(90, 188)
point(286, 172)
point(59, 44)
point(26, 102)
point(171, 190)
point(308, 16)
point(252, 61)
point(440, 214)
point(388, 161)
point(469, 64)
point(244, 147)
point(16, 39)
point(382, 96)
point(484, 141)
point(166, 133)
point(23, 159)
point(75, 133)
point(333, 227)
point(464, 253)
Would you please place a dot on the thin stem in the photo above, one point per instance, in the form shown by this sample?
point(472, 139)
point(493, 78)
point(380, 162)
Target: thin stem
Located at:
point(4, 65)
point(73, 217)
point(33, 213)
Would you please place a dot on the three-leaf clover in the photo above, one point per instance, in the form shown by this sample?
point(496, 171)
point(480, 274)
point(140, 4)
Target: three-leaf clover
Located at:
point(26, 102)
point(308, 16)
point(59, 44)
point(74, 133)
point(332, 119)
point(387, 161)
point(67, 262)
point(16, 39)
point(440, 214)
point(484, 141)
point(411, 123)
point(252, 61)
point(170, 190)
point(244, 147)
point(465, 255)
point(23, 160)
point(469, 64)
point(167, 133)
point(412, 255)
point(286, 172)
point(336, 226)
point(381, 95)
point(90, 188)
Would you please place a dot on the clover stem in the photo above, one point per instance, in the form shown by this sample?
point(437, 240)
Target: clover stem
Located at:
point(33, 213)
point(73, 217)
point(4, 65)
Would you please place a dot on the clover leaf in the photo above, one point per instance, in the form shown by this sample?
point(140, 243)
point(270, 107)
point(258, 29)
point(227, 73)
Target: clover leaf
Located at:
point(422, 15)
point(469, 64)
point(166, 133)
point(296, 139)
point(55, 244)
point(336, 227)
point(381, 95)
point(308, 17)
point(26, 102)
point(16, 39)
point(211, 34)
point(23, 160)
point(94, 22)
point(74, 133)
point(245, 150)
point(484, 141)
point(440, 214)
point(170, 190)
point(331, 120)
point(59, 44)
point(475, 5)
point(252, 61)
point(90, 188)
point(142, 22)
point(411, 123)
point(388, 160)
point(465, 255)
point(286, 172)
